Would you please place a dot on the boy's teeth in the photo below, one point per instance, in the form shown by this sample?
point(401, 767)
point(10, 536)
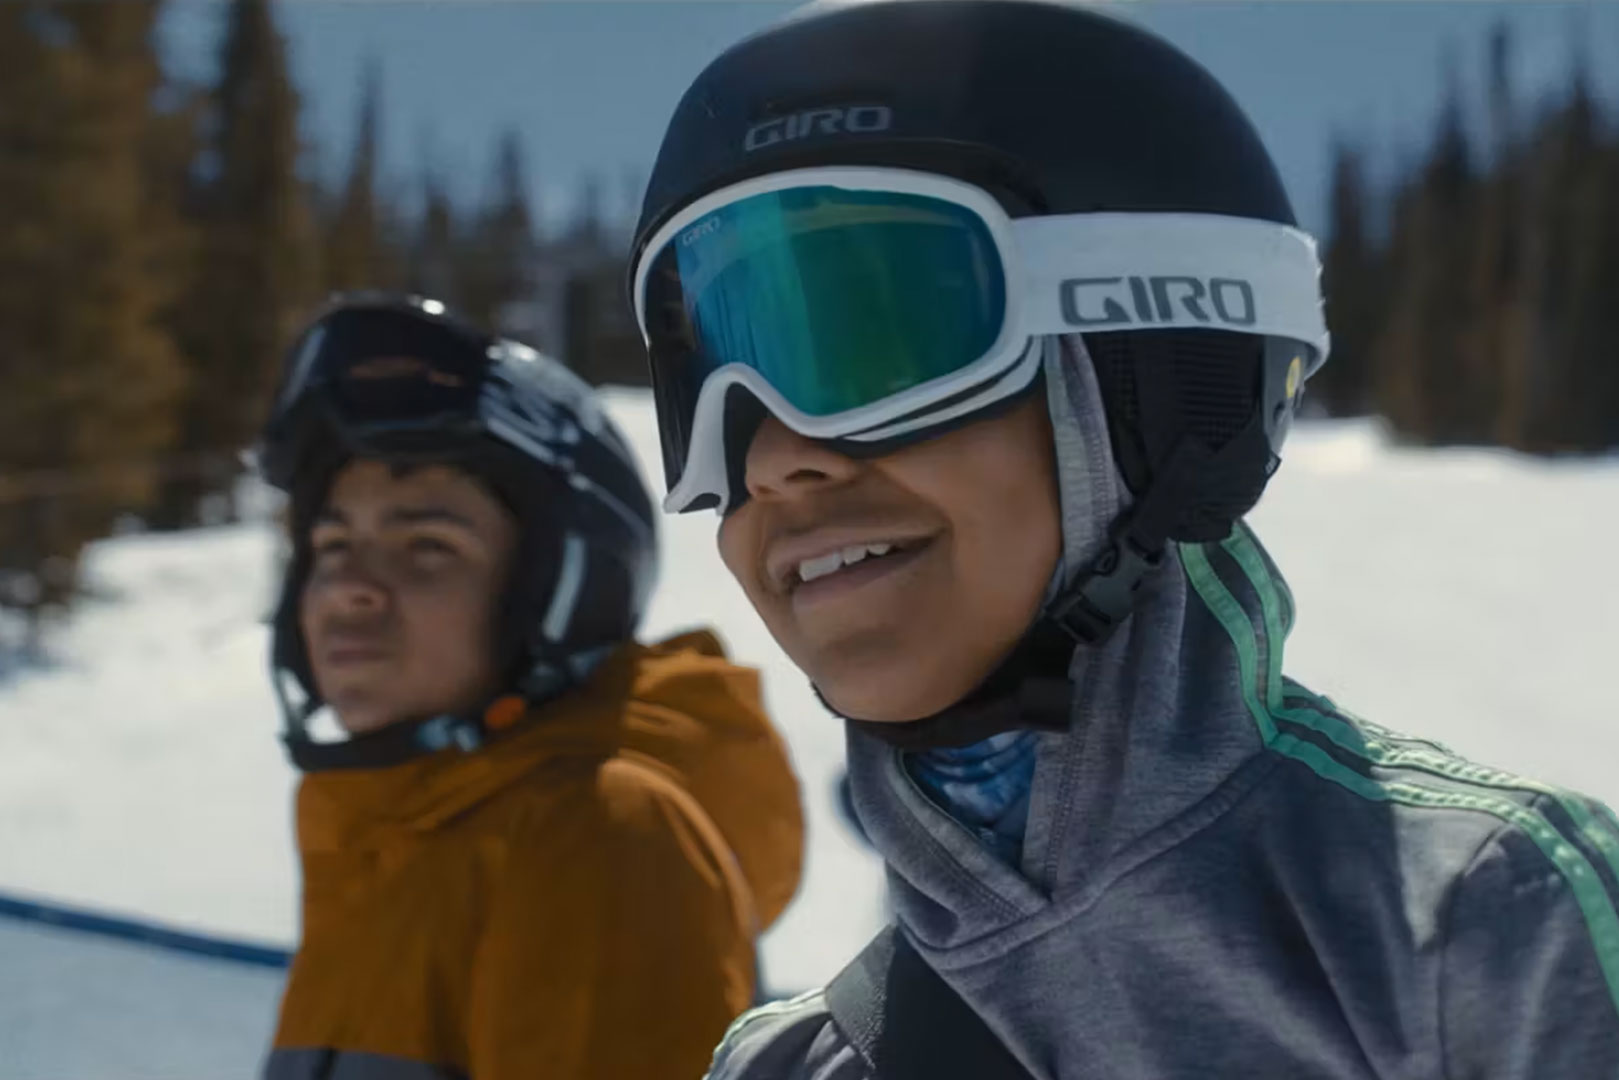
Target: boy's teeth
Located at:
point(831, 563)
point(810, 569)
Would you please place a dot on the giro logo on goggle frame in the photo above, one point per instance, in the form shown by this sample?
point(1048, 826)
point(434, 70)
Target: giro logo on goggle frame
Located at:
point(1092, 302)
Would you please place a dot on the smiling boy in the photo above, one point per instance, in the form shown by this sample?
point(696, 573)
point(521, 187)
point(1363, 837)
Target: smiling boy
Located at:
point(982, 388)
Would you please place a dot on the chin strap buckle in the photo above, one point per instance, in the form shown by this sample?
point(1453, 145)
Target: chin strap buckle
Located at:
point(1094, 606)
point(448, 729)
point(1104, 595)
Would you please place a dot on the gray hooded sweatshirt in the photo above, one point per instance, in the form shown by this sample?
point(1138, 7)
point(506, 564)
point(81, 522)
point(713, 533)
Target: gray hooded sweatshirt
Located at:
point(1225, 875)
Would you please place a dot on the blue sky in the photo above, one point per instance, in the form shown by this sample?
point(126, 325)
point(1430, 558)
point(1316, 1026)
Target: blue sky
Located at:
point(591, 83)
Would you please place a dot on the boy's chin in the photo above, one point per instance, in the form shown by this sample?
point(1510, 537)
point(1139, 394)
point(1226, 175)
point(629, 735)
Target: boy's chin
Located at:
point(361, 721)
point(888, 676)
point(359, 711)
point(881, 704)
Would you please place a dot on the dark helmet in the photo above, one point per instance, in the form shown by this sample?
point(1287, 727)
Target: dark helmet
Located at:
point(1052, 109)
point(400, 380)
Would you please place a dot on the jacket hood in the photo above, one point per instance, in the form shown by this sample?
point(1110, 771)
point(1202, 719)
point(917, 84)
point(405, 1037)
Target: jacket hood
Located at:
point(678, 707)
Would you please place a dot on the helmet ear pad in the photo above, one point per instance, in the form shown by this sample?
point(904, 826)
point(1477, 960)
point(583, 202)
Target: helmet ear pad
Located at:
point(534, 497)
point(289, 652)
point(571, 588)
point(1161, 388)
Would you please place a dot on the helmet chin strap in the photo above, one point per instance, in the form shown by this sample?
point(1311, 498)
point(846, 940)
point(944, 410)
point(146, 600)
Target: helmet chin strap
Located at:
point(409, 739)
point(1093, 606)
point(1030, 690)
point(393, 744)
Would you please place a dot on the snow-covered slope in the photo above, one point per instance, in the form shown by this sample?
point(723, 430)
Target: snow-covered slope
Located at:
point(1467, 595)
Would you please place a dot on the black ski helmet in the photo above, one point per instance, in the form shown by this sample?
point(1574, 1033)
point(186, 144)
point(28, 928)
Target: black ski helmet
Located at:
point(1051, 108)
point(399, 379)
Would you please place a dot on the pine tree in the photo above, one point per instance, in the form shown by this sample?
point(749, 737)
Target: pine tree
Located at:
point(251, 276)
point(1501, 318)
point(89, 374)
point(1584, 382)
point(363, 249)
point(497, 255)
point(1567, 218)
point(1600, 373)
point(1421, 359)
point(1353, 282)
point(433, 252)
point(1501, 343)
point(590, 210)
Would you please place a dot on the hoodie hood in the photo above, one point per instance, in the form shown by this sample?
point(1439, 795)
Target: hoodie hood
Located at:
point(1134, 756)
point(1090, 489)
point(1224, 874)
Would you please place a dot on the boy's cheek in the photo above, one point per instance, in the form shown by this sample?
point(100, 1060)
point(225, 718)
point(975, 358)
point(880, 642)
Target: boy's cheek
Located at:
point(737, 544)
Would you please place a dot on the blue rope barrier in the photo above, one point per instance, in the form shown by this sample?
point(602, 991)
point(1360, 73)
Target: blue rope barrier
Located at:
point(67, 918)
point(142, 933)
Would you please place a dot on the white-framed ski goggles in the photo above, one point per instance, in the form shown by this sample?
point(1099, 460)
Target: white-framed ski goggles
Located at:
point(865, 305)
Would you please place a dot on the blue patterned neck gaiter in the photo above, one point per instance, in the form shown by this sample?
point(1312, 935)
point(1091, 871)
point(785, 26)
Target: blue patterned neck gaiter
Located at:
point(984, 786)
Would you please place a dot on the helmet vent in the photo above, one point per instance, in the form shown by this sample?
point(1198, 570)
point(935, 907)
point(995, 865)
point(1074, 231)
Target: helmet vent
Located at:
point(1217, 376)
point(1158, 385)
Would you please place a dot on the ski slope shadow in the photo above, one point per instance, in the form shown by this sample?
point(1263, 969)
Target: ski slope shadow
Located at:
point(92, 997)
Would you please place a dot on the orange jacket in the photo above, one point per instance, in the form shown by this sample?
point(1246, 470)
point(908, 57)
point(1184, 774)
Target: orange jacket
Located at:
point(578, 899)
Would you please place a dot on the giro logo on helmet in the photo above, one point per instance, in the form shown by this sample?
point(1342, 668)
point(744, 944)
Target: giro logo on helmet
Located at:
point(855, 119)
point(1101, 301)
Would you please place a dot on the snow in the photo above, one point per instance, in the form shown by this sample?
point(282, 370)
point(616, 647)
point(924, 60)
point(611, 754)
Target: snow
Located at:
point(1463, 595)
point(141, 1014)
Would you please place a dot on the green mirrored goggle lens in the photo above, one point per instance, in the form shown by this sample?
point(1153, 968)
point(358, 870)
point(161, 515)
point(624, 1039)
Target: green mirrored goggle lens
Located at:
point(837, 298)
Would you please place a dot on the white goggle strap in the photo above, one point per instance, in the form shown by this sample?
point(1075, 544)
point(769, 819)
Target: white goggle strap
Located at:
point(1088, 273)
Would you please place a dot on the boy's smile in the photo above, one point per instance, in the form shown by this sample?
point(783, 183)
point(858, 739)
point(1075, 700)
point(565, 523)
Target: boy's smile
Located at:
point(895, 582)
